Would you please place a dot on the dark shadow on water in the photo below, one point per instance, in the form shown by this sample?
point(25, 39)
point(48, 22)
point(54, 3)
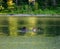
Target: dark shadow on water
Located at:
point(22, 30)
point(53, 28)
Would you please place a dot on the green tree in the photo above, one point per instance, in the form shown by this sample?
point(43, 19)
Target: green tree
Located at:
point(1, 5)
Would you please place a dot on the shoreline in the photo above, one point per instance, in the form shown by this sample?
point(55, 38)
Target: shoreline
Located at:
point(30, 15)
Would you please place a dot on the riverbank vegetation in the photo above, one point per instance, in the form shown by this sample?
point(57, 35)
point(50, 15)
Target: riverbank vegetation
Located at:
point(30, 6)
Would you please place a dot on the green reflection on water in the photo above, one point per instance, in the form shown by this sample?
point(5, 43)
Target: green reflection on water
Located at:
point(48, 25)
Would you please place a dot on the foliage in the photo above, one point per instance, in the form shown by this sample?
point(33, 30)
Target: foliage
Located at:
point(23, 6)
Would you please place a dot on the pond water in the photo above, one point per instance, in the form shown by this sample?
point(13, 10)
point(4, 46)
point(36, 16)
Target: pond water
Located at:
point(44, 25)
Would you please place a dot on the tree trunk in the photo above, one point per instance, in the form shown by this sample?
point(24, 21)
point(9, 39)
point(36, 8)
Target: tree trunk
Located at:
point(16, 2)
point(54, 3)
point(46, 3)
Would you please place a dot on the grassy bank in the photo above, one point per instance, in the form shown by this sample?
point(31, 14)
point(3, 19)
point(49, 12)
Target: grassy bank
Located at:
point(29, 11)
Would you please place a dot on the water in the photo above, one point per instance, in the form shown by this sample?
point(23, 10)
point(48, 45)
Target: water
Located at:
point(49, 25)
